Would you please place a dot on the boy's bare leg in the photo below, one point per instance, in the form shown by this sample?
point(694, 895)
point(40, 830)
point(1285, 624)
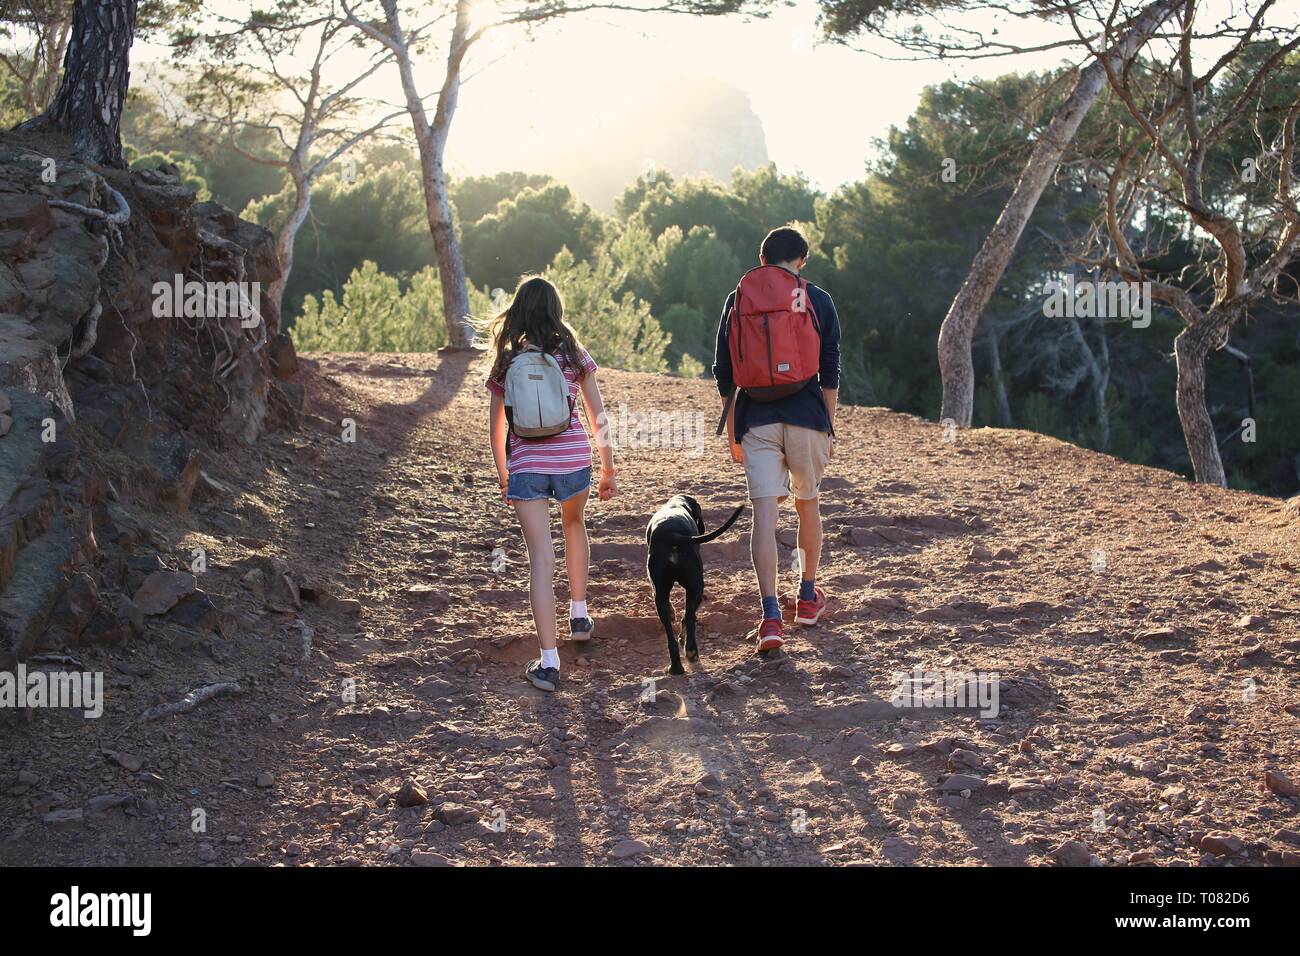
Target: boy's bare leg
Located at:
point(810, 535)
point(762, 544)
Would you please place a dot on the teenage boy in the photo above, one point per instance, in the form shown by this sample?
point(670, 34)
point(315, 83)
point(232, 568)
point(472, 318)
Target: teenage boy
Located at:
point(786, 441)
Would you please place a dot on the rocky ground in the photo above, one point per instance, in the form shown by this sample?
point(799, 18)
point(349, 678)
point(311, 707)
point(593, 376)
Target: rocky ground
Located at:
point(1145, 633)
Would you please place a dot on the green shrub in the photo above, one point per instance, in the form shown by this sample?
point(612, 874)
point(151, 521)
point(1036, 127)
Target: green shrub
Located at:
point(618, 330)
point(376, 315)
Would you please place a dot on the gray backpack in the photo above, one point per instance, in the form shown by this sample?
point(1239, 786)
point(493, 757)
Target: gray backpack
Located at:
point(537, 398)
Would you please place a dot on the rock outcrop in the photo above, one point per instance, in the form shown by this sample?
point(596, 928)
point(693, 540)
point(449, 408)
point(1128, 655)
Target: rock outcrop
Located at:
point(134, 328)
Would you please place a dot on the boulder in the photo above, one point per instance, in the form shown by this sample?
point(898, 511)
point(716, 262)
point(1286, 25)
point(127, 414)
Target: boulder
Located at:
point(279, 590)
point(24, 221)
point(627, 849)
point(1279, 783)
point(284, 359)
point(1072, 853)
point(411, 795)
point(957, 782)
point(1222, 844)
point(79, 603)
point(162, 590)
point(428, 858)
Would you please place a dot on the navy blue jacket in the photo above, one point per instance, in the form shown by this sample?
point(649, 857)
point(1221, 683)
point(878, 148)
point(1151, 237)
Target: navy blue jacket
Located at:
point(806, 407)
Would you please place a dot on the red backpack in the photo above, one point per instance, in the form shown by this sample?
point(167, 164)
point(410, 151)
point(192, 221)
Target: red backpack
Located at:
point(773, 334)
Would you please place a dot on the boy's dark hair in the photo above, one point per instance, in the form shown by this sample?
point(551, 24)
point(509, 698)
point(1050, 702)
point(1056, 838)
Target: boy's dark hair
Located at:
point(785, 244)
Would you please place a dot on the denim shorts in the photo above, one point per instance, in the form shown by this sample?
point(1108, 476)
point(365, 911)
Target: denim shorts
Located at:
point(531, 486)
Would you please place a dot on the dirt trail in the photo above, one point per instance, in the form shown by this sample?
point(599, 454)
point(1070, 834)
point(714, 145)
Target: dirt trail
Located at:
point(1145, 632)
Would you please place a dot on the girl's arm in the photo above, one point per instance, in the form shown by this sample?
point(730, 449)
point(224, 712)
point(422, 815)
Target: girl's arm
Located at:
point(595, 407)
point(497, 436)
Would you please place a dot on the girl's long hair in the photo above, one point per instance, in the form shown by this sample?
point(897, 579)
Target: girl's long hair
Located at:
point(535, 317)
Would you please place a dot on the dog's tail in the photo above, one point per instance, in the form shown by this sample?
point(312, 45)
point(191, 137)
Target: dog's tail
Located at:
point(717, 532)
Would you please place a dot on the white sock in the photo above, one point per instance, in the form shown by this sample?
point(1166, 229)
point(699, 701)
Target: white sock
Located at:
point(551, 658)
point(577, 609)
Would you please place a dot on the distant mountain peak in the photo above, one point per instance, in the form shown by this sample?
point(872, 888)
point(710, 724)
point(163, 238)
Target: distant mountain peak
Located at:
point(689, 126)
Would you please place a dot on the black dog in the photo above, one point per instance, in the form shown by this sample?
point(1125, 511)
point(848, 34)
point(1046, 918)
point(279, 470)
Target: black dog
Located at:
point(674, 536)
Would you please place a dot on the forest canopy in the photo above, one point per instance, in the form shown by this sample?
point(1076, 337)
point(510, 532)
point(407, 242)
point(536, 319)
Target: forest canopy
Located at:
point(673, 247)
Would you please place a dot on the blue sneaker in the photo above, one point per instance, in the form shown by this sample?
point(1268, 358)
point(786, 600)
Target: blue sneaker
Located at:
point(543, 678)
point(580, 628)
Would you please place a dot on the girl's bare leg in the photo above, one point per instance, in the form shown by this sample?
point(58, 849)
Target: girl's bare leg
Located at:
point(535, 519)
point(577, 549)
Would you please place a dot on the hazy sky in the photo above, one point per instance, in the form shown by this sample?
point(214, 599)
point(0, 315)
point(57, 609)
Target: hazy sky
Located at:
point(820, 104)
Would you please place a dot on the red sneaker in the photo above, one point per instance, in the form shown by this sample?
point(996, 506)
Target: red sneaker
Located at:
point(770, 634)
point(810, 612)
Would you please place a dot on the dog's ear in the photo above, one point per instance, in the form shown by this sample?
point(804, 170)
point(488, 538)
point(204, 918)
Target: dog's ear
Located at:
point(696, 513)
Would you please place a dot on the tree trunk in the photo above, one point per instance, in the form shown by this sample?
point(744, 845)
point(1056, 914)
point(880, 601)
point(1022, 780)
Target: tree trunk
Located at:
point(88, 106)
point(285, 238)
point(1102, 385)
point(1191, 347)
point(990, 263)
point(431, 143)
point(49, 82)
point(451, 266)
point(999, 380)
point(1098, 375)
point(42, 77)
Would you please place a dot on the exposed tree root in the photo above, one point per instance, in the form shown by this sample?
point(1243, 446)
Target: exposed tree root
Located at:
point(191, 700)
point(89, 334)
point(113, 220)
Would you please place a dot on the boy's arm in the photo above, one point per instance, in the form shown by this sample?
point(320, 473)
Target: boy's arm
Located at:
point(722, 353)
point(832, 396)
point(722, 375)
point(829, 374)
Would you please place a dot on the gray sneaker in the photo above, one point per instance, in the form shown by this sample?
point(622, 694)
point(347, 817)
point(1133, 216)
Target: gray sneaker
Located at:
point(543, 678)
point(581, 628)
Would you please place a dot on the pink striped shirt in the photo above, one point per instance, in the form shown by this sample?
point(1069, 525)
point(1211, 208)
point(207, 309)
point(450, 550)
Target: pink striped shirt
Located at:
point(560, 454)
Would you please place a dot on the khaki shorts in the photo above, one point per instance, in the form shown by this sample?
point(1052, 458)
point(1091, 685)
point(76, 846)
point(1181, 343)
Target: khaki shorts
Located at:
point(780, 459)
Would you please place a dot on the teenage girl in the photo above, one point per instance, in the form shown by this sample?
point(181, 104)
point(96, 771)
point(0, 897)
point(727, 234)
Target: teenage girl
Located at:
point(532, 471)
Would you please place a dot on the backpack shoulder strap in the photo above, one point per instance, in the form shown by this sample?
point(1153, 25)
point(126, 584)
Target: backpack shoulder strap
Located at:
point(732, 316)
point(812, 310)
